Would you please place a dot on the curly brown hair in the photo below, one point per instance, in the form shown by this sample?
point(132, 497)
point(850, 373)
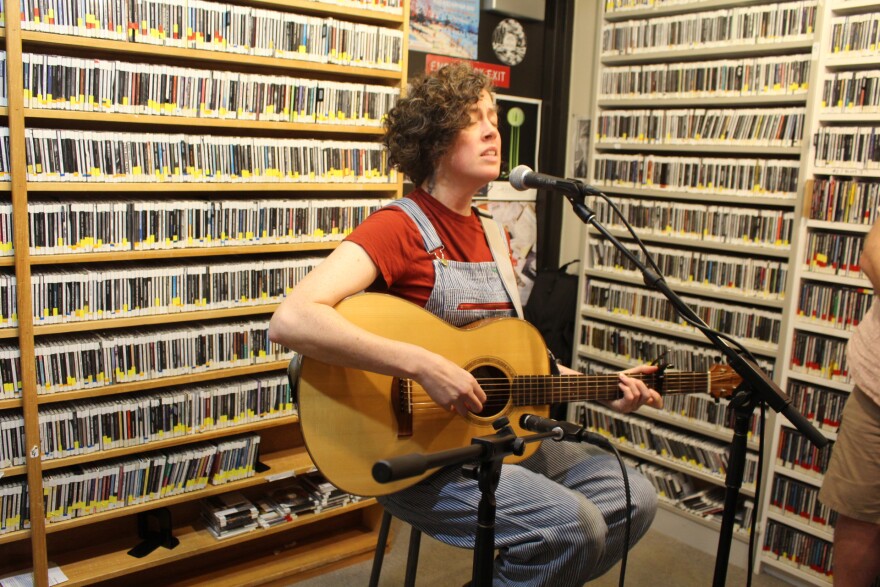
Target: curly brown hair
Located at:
point(422, 126)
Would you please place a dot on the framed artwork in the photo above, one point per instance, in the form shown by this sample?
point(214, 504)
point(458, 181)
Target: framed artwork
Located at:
point(519, 122)
point(445, 27)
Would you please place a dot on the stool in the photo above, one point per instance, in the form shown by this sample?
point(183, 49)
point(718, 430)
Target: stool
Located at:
point(412, 558)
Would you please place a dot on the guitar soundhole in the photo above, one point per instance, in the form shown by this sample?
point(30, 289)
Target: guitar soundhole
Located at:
point(497, 387)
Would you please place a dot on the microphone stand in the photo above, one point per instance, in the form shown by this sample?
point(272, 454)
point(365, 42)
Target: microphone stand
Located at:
point(490, 451)
point(756, 386)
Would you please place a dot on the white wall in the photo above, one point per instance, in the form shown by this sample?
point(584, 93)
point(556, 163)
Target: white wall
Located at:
point(580, 107)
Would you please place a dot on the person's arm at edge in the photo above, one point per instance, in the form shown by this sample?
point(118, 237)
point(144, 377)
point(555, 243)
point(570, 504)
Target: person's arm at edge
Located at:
point(307, 322)
point(870, 259)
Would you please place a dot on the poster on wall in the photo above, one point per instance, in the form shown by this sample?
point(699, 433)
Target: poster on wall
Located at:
point(445, 27)
point(519, 122)
point(498, 74)
point(509, 42)
point(520, 222)
point(580, 163)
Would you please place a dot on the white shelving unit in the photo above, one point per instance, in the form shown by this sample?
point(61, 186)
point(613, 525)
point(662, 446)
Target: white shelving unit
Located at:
point(616, 331)
point(798, 531)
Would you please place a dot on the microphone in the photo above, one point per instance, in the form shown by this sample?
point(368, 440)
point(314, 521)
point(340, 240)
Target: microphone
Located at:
point(564, 430)
point(523, 178)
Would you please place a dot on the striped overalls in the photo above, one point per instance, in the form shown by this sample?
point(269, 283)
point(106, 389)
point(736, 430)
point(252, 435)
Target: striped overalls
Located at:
point(561, 512)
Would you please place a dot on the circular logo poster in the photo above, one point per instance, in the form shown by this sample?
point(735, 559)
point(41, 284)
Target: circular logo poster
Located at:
point(509, 42)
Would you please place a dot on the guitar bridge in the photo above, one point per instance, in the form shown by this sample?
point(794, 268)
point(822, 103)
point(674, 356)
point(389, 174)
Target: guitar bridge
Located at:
point(401, 401)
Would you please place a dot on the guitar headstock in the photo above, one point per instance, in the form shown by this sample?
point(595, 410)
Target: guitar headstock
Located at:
point(722, 381)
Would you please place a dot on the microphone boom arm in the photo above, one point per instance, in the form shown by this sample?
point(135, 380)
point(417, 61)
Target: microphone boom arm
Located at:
point(753, 376)
point(756, 384)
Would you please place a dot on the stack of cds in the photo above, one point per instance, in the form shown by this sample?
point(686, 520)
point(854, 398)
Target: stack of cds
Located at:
point(294, 499)
point(232, 513)
point(229, 514)
point(271, 513)
point(325, 494)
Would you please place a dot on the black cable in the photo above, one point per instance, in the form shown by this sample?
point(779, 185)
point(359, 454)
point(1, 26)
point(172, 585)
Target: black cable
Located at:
point(751, 563)
point(627, 530)
point(628, 527)
point(705, 330)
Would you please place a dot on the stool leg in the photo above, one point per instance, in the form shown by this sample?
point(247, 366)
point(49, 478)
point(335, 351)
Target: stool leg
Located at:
point(379, 556)
point(412, 557)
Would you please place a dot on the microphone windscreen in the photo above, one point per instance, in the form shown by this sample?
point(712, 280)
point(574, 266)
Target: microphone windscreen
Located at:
point(518, 177)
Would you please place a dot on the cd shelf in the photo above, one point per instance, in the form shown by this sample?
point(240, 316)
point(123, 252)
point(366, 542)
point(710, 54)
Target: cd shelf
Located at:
point(679, 127)
point(840, 202)
point(310, 113)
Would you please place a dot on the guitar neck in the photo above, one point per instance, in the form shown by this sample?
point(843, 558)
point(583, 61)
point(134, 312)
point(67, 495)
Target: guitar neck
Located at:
point(532, 390)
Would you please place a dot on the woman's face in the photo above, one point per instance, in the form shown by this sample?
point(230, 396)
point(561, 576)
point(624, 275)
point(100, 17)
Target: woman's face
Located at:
point(475, 155)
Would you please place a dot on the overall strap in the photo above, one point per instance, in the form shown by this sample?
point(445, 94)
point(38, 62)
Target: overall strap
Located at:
point(429, 235)
point(501, 254)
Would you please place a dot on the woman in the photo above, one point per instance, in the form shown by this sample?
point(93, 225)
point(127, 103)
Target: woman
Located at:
point(561, 512)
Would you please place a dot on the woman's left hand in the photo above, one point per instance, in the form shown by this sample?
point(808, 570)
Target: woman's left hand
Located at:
point(635, 393)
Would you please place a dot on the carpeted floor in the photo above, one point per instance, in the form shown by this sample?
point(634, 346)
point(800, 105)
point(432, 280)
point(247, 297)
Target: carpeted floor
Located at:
point(656, 561)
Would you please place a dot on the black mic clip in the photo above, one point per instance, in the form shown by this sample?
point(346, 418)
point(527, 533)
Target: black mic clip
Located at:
point(584, 189)
point(568, 431)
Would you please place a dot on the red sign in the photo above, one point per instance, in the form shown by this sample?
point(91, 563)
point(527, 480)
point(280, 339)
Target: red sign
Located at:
point(498, 74)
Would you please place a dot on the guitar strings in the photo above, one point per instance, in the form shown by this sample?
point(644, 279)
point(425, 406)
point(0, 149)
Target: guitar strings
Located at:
point(565, 384)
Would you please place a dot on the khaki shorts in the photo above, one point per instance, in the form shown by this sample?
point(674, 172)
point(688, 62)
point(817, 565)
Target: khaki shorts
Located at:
point(852, 482)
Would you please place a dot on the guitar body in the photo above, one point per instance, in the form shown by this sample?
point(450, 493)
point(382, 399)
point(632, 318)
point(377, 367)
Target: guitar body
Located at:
point(351, 419)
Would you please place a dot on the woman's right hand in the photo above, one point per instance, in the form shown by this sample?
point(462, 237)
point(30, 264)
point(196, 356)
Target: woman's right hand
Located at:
point(451, 387)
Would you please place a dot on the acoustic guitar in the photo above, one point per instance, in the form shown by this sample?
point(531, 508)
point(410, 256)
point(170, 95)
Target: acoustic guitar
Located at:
point(351, 418)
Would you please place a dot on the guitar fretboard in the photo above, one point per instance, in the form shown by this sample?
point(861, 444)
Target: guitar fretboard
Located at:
point(542, 389)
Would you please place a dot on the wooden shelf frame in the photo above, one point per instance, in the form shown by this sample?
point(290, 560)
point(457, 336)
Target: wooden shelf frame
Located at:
point(176, 123)
point(110, 560)
point(161, 382)
point(165, 187)
point(191, 438)
point(147, 384)
point(291, 462)
point(184, 440)
point(185, 252)
point(238, 311)
point(346, 11)
point(330, 538)
point(204, 56)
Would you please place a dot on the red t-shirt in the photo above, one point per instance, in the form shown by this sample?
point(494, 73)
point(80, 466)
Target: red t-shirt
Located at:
point(393, 241)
